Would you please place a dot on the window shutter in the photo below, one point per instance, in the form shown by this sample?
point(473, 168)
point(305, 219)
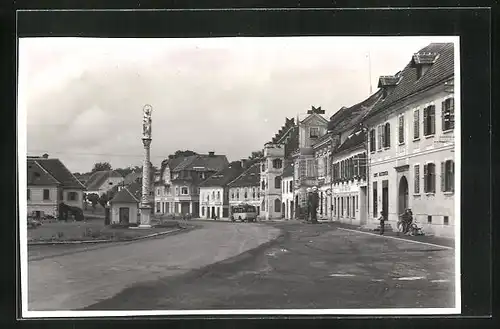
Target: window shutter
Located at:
point(416, 124)
point(426, 115)
point(432, 112)
point(416, 187)
point(443, 177)
point(452, 113)
point(444, 115)
point(452, 176)
point(426, 179)
point(401, 129)
point(388, 136)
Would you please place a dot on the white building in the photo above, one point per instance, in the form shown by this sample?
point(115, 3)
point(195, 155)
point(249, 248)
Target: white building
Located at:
point(214, 192)
point(412, 165)
point(287, 192)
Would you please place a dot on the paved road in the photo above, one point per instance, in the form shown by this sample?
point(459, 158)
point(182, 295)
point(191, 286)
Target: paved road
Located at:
point(313, 266)
point(73, 281)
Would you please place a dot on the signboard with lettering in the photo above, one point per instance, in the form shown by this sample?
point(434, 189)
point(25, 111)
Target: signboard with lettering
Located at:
point(380, 174)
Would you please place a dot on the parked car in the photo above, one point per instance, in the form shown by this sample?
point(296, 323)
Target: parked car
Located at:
point(244, 213)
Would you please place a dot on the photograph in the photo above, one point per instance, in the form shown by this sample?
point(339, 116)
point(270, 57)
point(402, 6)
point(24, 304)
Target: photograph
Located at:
point(273, 175)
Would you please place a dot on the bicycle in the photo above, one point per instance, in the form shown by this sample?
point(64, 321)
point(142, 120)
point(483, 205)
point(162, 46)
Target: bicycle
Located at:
point(415, 229)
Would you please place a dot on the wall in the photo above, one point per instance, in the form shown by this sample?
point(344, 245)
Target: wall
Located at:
point(133, 212)
point(236, 198)
point(109, 184)
point(79, 198)
point(436, 148)
point(316, 121)
point(36, 202)
point(211, 197)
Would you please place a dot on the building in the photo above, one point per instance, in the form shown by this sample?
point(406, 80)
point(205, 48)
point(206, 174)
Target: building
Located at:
point(349, 193)
point(49, 184)
point(177, 190)
point(287, 191)
point(311, 129)
point(412, 164)
point(246, 187)
point(276, 152)
point(125, 204)
point(214, 192)
point(100, 182)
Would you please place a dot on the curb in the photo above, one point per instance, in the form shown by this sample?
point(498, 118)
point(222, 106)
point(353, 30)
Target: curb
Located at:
point(39, 243)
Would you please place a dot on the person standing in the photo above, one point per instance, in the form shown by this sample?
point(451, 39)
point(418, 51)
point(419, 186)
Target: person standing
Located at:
point(382, 222)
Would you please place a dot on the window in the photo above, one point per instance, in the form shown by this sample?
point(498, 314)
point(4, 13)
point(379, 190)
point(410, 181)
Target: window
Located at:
point(430, 178)
point(447, 176)
point(354, 207)
point(213, 195)
point(184, 191)
point(277, 205)
point(362, 165)
point(387, 135)
point(263, 184)
point(380, 135)
point(416, 124)
point(28, 193)
point(253, 193)
point(203, 211)
point(157, 191)
point(429, 219)
point(277, 182)
point(72, 196)
point(401, 130)
point(208, 196)
point(237, 193)
point(232, 194)
point(314, 132)
point(347, 206)
point(263, 167)
point(246, 194)
point(291, 186)
point(372, 141)
point(277, 163)
point(335, 206)
point(446, 220)
point(218, 195)
point(429, 120)
point(416, 183)
point(375, 212)
point(46, 194)
point(157, 207)
point(176, 190)
point(448, 114)
point(311, 168)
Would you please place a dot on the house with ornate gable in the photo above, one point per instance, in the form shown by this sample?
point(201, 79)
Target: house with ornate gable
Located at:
point(412, 142)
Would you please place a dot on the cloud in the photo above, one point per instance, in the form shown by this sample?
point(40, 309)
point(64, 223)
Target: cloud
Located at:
point(85, 96)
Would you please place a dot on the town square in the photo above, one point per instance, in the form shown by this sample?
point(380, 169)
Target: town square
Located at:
point(241, 174)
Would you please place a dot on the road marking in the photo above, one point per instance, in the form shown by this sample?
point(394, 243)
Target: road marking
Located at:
point(341, 275)
point(400, 239)
point(409, 278)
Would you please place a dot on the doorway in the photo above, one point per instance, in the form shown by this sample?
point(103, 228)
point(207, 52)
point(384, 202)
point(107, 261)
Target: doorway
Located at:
point(124, 215)
point(362, 205)
point(292, 210)
point(385, 197)
point(403, 195)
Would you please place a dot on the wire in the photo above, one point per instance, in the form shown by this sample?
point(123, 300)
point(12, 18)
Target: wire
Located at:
point(97, 154)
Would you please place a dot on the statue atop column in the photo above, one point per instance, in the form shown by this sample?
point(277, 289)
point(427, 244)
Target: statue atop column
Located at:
point(146, 122)
point(145, 206)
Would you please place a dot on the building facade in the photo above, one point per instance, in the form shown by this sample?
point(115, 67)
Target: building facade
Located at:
point(50, 183)
point(412, 164)
point(287, 192)
point(245, 188)
point(177, 190)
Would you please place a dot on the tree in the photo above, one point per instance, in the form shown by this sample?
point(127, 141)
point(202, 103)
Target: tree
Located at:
point(100, 166)
point(256, 155)
point(94, 200)
point(180, 153)
point(105, 197)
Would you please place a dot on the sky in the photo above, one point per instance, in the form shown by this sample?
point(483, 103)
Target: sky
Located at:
point(82, 98)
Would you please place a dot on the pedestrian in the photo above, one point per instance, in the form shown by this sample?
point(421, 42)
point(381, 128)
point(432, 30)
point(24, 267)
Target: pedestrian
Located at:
point(382, 222)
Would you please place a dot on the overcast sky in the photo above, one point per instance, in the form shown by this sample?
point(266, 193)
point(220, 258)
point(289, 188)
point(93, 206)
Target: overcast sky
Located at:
point(83, 97)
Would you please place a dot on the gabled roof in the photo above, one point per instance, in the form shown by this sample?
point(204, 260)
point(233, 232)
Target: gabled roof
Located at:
point(355, 139)
point(224, 176)
point(99, 177)
point(314, 115)
point(58, 171)
point(124, 196)
point(202, 162)
point(348, 117)
point(250, 177)
point(442, 69)
point(39, 176)
point(132, 177)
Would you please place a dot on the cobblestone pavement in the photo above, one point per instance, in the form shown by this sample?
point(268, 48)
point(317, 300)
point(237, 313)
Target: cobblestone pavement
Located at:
point(79, 279)
point(313, 266)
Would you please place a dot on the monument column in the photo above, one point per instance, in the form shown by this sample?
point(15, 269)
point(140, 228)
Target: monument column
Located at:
point(145, 207)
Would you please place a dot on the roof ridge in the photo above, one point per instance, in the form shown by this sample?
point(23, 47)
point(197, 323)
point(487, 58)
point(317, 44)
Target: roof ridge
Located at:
point(46, 171)
point(133, 196)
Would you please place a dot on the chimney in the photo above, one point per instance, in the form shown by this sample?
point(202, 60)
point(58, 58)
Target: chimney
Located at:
point(45, 156)
point(211, 153)
point(244, 163)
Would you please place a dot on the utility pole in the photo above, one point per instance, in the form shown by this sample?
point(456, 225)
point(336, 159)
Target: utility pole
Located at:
point(370, 71)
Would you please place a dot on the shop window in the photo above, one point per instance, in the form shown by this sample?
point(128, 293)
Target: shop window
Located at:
point(429, 219)
point(446, 220)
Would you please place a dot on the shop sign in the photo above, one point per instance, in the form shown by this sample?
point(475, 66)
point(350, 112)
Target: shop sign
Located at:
point(380, 174)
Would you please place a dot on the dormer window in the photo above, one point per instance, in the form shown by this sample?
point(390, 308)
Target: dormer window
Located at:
point(422, 62)
point(314, 132)
point(387, 83)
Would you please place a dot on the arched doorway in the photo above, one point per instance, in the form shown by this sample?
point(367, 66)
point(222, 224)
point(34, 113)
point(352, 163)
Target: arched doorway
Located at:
point(403, 195)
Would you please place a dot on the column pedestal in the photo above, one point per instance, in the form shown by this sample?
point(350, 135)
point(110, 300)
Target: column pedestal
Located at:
point(145, 217)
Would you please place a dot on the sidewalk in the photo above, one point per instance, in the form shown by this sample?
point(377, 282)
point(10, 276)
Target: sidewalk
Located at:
point(447, 242)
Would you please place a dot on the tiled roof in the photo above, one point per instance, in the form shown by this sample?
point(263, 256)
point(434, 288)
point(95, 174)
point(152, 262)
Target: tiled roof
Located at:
point(39, 176)
point(132, 177)
point(124, 196)
point(205, 161)
point(250, 177)
point(348, 117)
point(356, 139)
point(441, 70)
point(59, 172)
point(99, 177)
point(224, 176)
